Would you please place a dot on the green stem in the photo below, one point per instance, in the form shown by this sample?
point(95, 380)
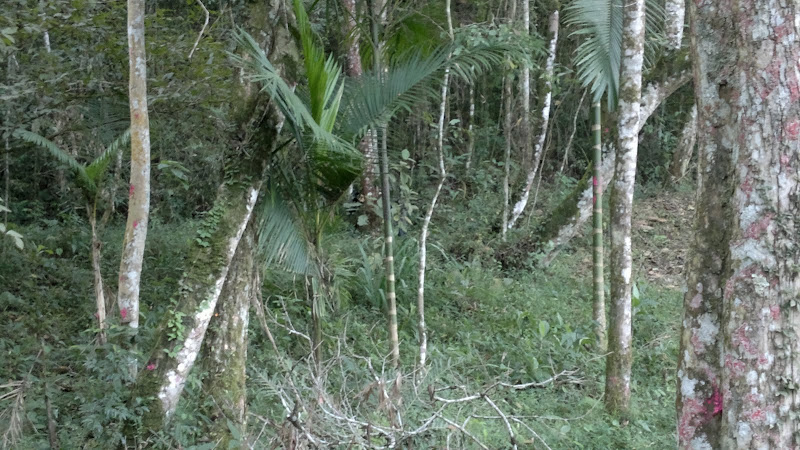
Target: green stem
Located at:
point(598, 304)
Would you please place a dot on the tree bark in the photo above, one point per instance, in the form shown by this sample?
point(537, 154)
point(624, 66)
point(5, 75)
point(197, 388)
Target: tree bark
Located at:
point(685, 148)
point(741, 323)
point(519, 207)
point(130, 269)
point(674, 12)
point(507, 123)
point(598, 300)
point(618, 363)
point(470, 130)
point(224, 350)
point(99, 296)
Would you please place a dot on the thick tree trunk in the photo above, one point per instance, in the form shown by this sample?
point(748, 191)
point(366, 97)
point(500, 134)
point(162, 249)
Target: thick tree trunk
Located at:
point(745, 299)
point(99, 296)
point(563, 227)
point(618, 362)
point(685, 148)
point(519, 207)
point(599, 296)
point(130, 269)
point(224, 350)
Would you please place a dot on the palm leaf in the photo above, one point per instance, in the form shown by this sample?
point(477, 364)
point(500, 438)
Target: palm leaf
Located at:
point(97, 168)
point(60, 155)
point(599, 55)
point(280, 241)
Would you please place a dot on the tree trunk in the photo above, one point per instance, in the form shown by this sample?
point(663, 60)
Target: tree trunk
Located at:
point(388, 236)
point(568, 147)
point(525, 87)
point(674, 11)
point(747, 92)
point(683, 152)
point(423, 240)
point(563, 227)
point(598, 300)
point(507, 161)
point(618, 363)
point(100, 300)
point(519, 207)
point(224, 350)
point(470, 129)
point(130, 269)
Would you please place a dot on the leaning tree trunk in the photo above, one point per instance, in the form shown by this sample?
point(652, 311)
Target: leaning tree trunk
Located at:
point(744, 302)
point(519, 207)
point(598, 281)
point(561, 228)
point(618, 362)
point(182, 329)
point(685, 148)
point(224, 350)
point(130, 269)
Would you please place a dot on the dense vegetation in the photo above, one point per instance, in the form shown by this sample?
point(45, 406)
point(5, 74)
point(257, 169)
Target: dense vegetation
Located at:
point(288, 303)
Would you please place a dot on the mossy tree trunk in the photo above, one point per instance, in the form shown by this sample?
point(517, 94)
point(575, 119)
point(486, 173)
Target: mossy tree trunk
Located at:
point(224, 350)
point(620, 339)
point(738, 378)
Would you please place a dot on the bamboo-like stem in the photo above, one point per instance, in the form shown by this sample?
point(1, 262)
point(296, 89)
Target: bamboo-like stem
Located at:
point(598, 281)
point(100, 301)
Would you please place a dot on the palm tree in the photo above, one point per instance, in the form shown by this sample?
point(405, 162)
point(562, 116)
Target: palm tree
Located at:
point(89, 178)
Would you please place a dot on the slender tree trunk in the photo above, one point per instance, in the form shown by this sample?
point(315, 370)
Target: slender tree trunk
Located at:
point(130, 269)
point(470, 130)
point(224, 350)
point(525, 82)
point(507, 105)
point(388, 235)
point(568, 147)
point(559, 234)
point(423, 240)
point(674, 11)
point(618, 363)
point(599, 300)
point(738, 377)
point(519, 207)
point(100, 301)
point(685, 148)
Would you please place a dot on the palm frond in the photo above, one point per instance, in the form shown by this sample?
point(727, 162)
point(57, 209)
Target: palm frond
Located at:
point(97, 168)
point(599, 55)
point(60, 155)
point(280, 240)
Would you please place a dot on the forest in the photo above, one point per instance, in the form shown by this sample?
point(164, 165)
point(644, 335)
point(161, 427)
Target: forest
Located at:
point(449, 224)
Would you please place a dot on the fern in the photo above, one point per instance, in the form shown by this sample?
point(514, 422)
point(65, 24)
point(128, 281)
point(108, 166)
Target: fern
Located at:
point(97, 168)
point(60, 155)
point(281, 243)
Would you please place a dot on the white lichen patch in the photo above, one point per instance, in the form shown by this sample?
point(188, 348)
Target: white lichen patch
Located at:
point(707, 331)
point(687, 386)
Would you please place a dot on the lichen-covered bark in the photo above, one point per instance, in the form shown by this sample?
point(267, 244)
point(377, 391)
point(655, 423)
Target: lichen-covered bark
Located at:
point(618, 362)
point(738, 374)
point(130, 269)
point(760, 298)
point(224, 350)
point(674, 12)
point(547, 92)
point(685, 148)
point(99, 296)
point(507, 123)
point(699, 391)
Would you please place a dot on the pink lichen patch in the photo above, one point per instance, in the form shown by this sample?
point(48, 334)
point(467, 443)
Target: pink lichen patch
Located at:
point(594, 181)
point(757, 228)
point(151, 366)
point(746, 187)
point(697, 300)
point(775, 312)
point(130, 190)
point(735, 366)
point(757, 415)
point(714, 403)
point(742, 342)
point(135, 224)
point(792, 130)
point(691, 417)
point(123, 313)
point(763, 362)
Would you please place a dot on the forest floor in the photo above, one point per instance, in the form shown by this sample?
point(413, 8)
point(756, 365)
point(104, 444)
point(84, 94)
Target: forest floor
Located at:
point(485, 324)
